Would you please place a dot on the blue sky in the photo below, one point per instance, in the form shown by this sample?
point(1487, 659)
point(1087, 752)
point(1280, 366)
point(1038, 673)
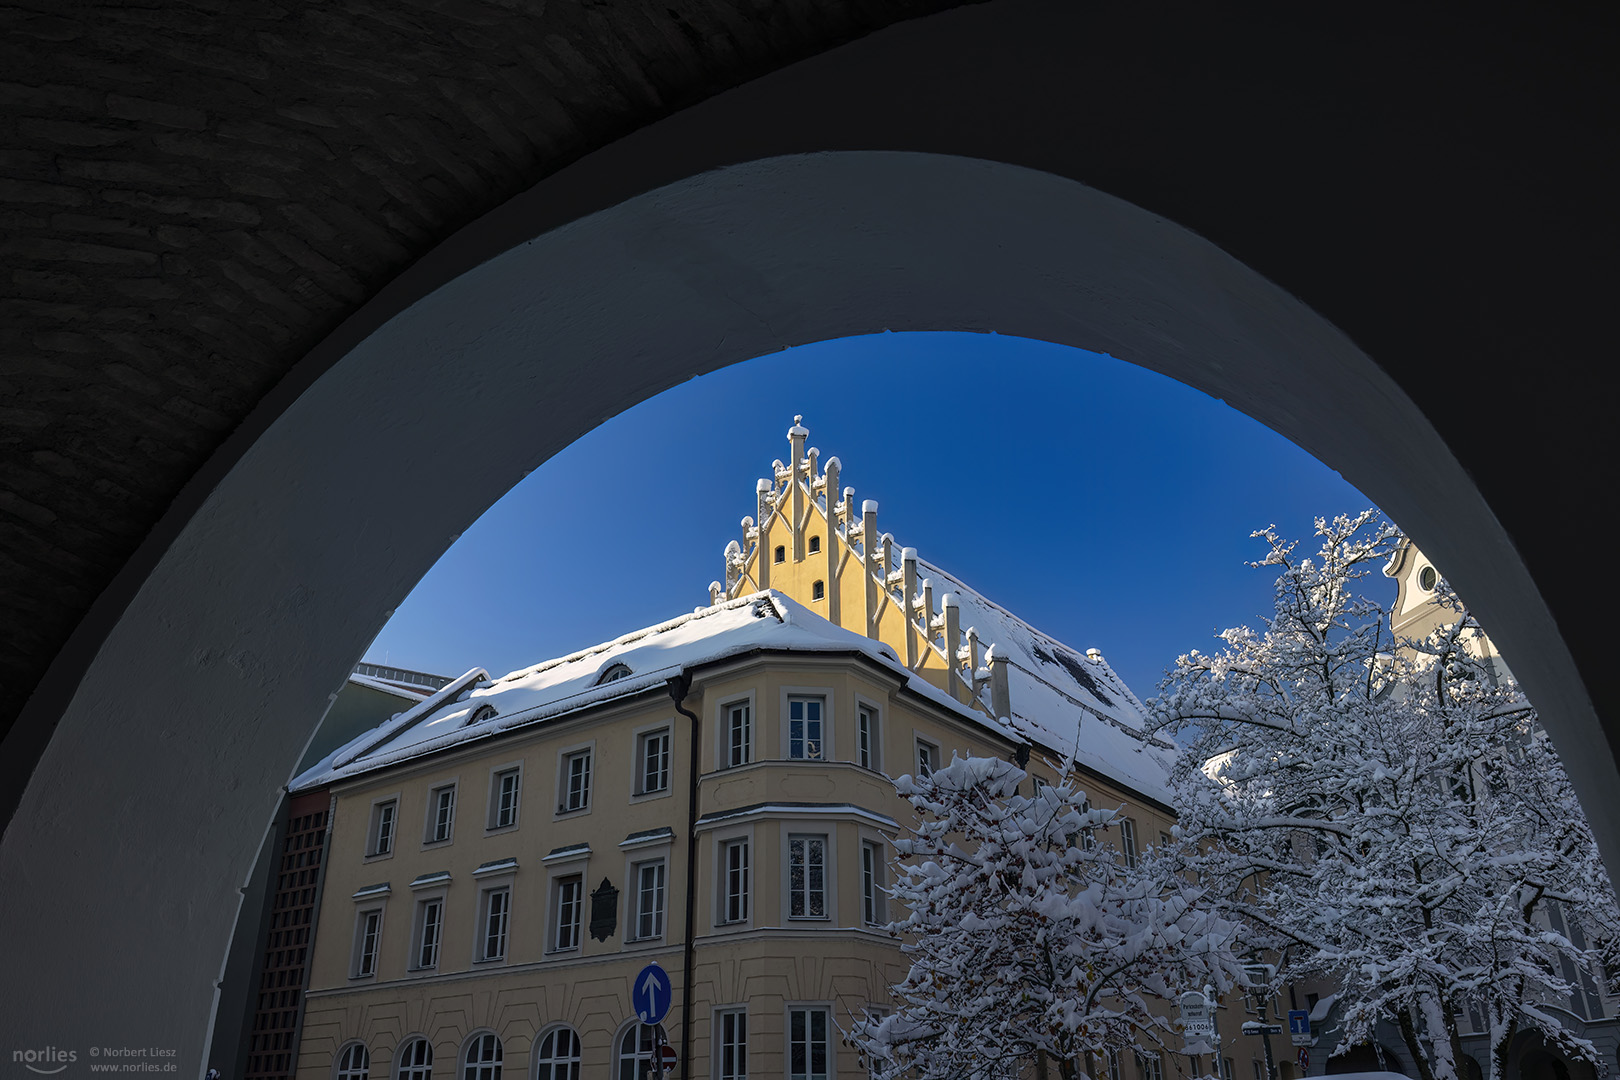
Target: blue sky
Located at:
point(1107, 505)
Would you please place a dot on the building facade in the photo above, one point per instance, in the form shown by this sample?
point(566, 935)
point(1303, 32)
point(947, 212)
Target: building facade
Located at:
point(711, 795)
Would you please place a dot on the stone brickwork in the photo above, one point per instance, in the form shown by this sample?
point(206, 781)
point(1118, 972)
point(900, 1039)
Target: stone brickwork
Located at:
point(193, 194)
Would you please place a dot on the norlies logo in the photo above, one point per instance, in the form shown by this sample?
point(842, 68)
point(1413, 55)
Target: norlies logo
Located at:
point(46, 1062)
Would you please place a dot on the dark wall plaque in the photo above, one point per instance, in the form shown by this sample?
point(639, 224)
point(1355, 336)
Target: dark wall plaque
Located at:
point(604, 911)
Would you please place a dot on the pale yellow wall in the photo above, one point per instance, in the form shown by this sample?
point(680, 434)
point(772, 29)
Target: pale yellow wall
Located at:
point(768, 962)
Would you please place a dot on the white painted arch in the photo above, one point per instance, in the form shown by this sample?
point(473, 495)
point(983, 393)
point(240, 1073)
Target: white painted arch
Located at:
point(137, 827)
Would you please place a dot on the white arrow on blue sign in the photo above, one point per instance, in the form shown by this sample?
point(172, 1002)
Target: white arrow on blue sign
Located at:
point(651, 994)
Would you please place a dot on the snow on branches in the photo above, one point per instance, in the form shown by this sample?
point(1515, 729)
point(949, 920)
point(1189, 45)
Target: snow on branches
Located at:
point(1027, 934)
point(1386, 814)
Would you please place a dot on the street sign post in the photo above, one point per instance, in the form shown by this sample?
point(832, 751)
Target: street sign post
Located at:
point(1299, 1026)
point(651, 992)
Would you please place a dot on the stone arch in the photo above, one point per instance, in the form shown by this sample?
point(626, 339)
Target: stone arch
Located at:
point(116, 691)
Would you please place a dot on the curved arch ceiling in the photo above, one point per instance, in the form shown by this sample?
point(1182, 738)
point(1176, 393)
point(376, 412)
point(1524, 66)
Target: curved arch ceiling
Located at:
point(1455, 252)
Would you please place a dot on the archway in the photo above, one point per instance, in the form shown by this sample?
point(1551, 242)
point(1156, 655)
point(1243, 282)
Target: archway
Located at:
point(226, 658)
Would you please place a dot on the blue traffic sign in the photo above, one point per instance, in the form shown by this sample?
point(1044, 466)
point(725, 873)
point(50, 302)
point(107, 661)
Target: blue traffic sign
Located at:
point(651, 994)
point(1299, 1022)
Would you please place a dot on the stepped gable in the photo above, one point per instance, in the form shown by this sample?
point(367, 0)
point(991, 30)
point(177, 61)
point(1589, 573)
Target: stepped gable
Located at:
point(476, 706)
point(812, 539)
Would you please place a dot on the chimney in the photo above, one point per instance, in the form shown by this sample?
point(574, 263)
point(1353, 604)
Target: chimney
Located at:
point(1000, 695)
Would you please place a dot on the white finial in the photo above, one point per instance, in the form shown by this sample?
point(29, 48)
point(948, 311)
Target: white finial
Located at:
point(869, 506)
point(948, 600)
point(1094, 655)
point(762, 485)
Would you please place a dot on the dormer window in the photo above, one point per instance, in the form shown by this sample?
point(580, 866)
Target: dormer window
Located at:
point(818, 590)
point(480, 714)
point(780, 555)
point(815, 544)
point(617, 671)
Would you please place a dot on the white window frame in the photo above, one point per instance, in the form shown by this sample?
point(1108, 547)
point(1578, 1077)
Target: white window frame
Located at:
point(722, 727)
point(723, 842)
point(419, 928)
point(497, 778)
point(367, 954)
point(809, 832)
point(658, 915)
point(483, 1070)
point(874, 864)
point(430, 831)
point(1150, 1064)
point(565, 758)
point(343, 1067)
point(575, 874)
point(638, 1057)
point(1127, 840)
point(919, 744)
point(559, 1064)
point(411, 1066)
point(645, 738)
point(823, 694)
point(735, 1041)
point(810, 1009)
point(383, 805)
point(1113, 1064)
point(868, 736)
point(1226, 1068)
point(487, 897)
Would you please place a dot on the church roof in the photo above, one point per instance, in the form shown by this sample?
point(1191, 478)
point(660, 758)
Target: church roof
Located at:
point(475, 706)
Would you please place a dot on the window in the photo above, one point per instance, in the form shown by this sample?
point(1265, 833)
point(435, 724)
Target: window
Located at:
point(734, 881)
point(503, 803)
point(636, 1048)
point(780, 555)
point(1127, 840)
point(804, 728)
point(807, 877)
point(927, 758)
point(866, 737)
point(649, 900)
point(808, 1050)
point(739, 735)
point(428, 932)
point(480, 714)
point(559, 1056)
point(1088, 837)
point(1164, 840)
point(415, 1061)
point(368, 928)
point(1259, 1068)
point(569, 898)
point(872, 884)
point(1113, 1065)
point(614, 673)
point(1226, 1069)
point(576, 782)
point(1427, 579)
point(494, 915)
point(354, 1063)
point(380, 840)
point(818, 590)
point(815, 545)
point(442, 813)
point(1150, 1065)
point(654, 763)
point(483, 1058)
point(731, 1037)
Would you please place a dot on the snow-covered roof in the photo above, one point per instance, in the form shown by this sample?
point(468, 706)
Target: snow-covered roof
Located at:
point(760, 621)
point(1063, 699)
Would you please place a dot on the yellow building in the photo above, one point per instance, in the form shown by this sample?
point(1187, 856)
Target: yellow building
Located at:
point(711, 795)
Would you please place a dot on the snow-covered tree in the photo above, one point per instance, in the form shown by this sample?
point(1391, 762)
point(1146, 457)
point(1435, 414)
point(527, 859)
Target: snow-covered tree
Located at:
point(1385, 814)
point(1027, 935)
